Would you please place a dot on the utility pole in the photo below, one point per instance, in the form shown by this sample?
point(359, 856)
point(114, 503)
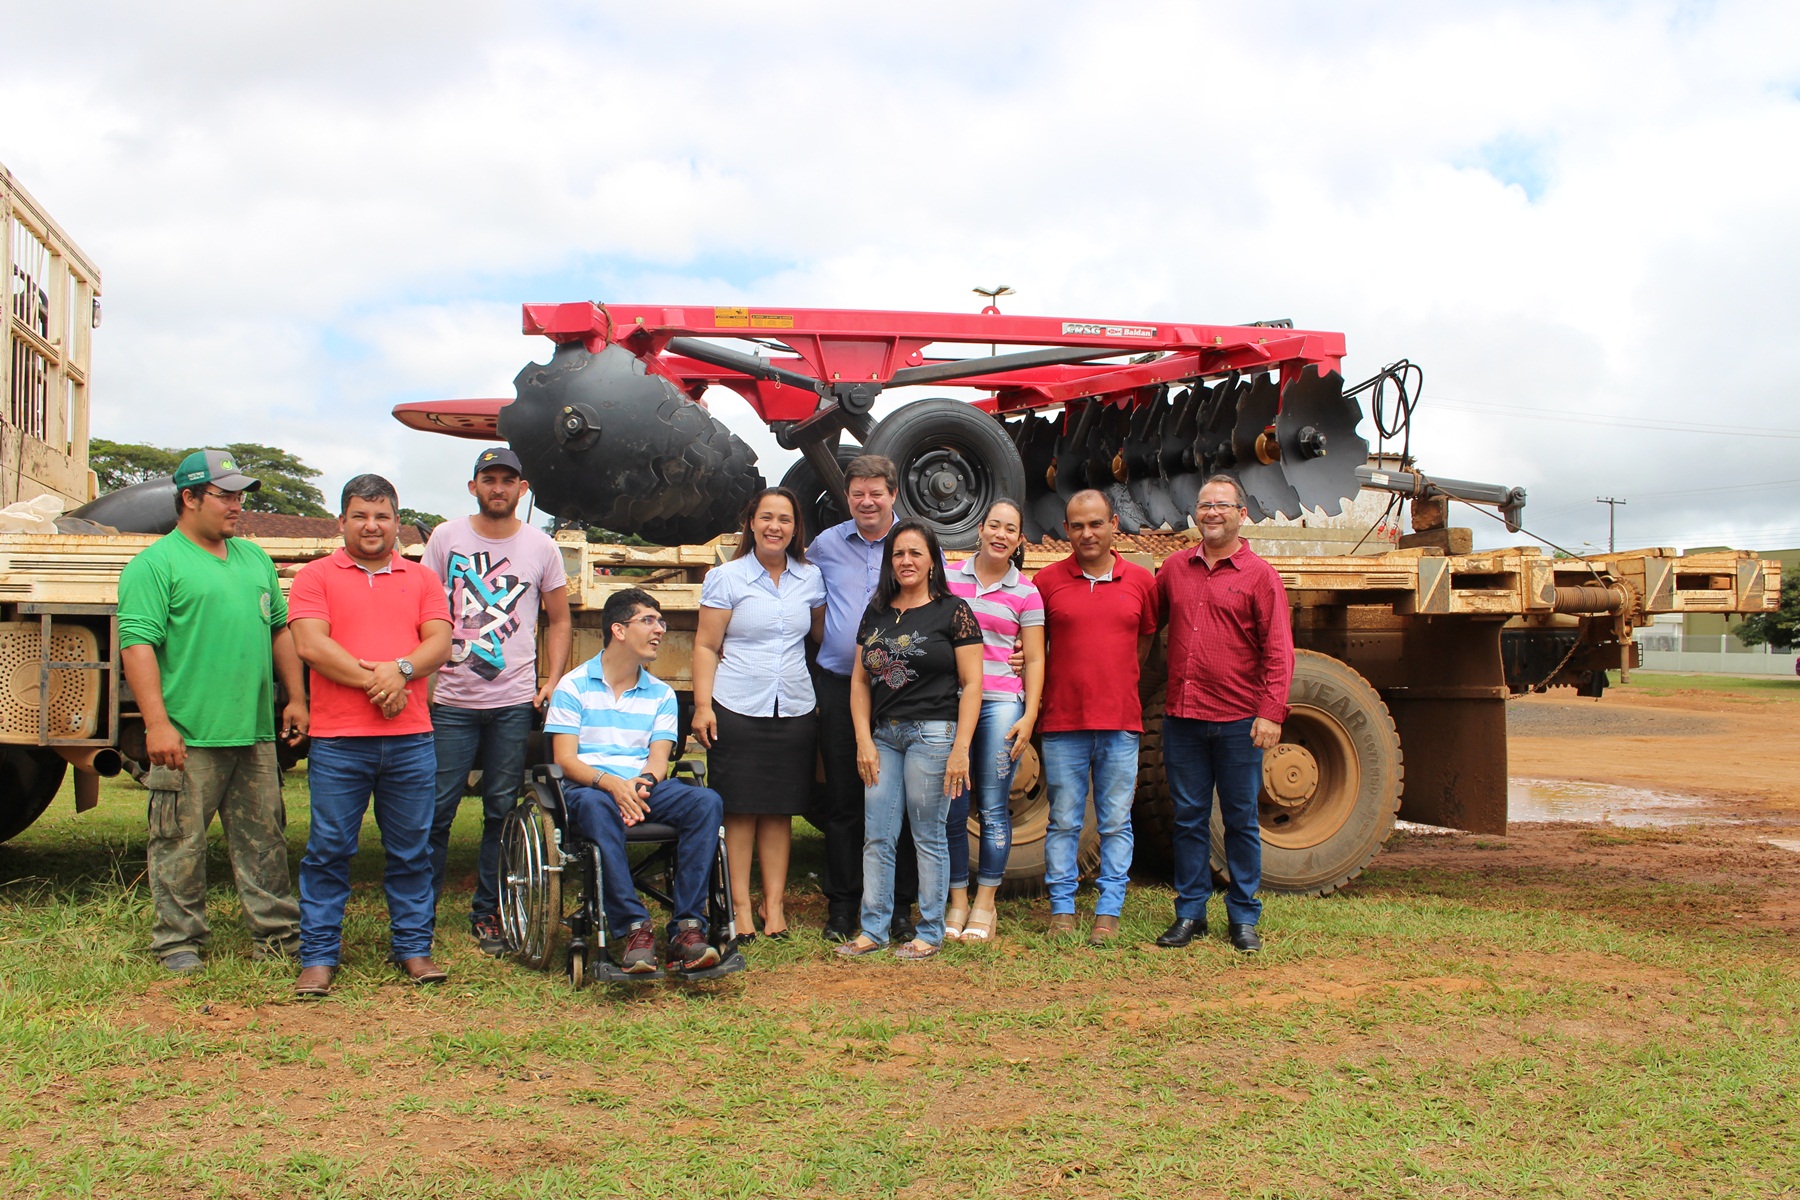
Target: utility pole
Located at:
point(1612, 509)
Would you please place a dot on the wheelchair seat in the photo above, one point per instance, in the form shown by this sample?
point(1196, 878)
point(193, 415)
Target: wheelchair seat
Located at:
point(538, 846)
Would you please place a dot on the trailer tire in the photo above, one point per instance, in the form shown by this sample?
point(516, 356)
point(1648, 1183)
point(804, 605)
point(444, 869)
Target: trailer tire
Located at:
point(29, 780)
point(1314, 846)
point(954, 460)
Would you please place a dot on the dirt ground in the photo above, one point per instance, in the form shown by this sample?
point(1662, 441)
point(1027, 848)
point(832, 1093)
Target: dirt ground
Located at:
point(1732, 763)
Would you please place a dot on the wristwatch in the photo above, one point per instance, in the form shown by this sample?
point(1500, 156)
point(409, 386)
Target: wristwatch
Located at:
point(406, 668)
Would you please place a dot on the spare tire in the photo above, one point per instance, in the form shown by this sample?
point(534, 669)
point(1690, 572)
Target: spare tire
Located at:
point(954, 460)
point(607, 443)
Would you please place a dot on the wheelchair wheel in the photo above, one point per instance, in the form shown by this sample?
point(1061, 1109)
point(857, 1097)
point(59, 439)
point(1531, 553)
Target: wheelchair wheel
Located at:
point(577, 968)
point(530, 884)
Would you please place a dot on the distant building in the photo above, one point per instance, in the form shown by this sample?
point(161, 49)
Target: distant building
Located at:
point(285, 525)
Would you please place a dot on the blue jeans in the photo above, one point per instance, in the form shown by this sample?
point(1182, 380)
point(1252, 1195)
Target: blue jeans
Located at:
point(341, 774)
point(494, 740)
point(695, 813)
point(910, 784)
point(1198, 757)
point(1106, 760)
point(991, 768)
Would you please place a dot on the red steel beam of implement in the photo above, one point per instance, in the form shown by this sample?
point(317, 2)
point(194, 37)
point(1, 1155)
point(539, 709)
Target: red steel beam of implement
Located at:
point(842, 346)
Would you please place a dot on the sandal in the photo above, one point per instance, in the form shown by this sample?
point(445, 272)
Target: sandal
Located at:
point(916, 951)
point(861, 945)
point(981, 925)
point(954, 921)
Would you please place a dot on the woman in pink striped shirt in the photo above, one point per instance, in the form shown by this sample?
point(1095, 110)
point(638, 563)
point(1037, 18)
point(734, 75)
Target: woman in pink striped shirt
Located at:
point(1008, 610)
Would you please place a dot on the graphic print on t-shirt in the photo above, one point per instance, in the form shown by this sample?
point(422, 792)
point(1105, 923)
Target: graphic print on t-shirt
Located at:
point(482, 600)
point(885, 658)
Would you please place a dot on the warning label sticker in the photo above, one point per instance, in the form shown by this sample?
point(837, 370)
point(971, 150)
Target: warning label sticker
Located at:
point(743, 318)
point(1088, 329)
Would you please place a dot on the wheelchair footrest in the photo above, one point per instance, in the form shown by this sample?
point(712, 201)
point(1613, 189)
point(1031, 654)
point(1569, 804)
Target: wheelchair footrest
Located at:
point(731, 964)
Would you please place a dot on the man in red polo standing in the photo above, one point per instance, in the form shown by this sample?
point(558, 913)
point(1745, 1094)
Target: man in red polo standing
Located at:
point(1231, 659)
point(1100, 615)
point(372, 626)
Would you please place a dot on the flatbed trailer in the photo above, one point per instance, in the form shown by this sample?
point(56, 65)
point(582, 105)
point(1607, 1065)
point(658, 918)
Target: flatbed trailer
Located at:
point(1405, 661)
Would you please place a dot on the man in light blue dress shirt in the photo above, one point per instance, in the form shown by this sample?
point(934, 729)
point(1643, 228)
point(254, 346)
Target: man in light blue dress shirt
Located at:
point(850, 557)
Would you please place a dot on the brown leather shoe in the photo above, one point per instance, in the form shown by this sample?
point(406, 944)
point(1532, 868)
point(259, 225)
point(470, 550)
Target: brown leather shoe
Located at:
point(1062, 924)
point(423, 970)
point(1104, 931)
point(314, 983)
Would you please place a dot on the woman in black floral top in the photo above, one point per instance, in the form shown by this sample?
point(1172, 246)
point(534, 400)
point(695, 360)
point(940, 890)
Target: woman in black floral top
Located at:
point(915, 696)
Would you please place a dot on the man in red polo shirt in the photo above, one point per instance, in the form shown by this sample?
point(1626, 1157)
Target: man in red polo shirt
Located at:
point(1099, 617)
point(371, 625)
point(1231, 659)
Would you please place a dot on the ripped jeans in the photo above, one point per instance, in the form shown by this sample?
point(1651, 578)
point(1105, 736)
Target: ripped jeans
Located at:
point(991, 768)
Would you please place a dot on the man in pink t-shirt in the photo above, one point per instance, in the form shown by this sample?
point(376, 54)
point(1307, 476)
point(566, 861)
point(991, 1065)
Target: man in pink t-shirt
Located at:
point(498, 572)
point(371, 626)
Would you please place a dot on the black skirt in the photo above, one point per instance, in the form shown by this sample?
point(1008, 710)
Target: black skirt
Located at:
point(763, 765)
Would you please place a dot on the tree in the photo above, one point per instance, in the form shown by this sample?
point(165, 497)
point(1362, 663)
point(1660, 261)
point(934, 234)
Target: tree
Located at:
point(1781, 627)
point(287, 485)
point(412, 516)
point(121, 464)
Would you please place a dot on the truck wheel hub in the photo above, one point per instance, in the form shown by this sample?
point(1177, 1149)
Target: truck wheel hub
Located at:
point(1290, 775)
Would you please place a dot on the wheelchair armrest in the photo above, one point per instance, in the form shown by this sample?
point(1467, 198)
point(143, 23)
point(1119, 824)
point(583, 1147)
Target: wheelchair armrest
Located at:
point(694, 767)
point(547, 772)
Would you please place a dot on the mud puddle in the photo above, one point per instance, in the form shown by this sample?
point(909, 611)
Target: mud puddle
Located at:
point(1539, 800)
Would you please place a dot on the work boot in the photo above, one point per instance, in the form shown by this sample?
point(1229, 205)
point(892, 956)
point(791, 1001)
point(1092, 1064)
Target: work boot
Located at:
point(1105, 929)
point(182, 962)
point(1062, 925)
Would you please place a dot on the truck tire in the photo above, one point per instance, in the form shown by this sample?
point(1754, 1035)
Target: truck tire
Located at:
point(29, 779)
point(954, 461)
point(1327, 813)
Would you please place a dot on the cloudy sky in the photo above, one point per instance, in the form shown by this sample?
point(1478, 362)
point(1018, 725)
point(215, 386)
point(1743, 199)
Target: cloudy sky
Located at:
point(1579, 219)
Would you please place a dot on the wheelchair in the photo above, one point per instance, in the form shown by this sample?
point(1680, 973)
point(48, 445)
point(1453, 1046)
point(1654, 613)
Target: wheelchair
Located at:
point(537, 846)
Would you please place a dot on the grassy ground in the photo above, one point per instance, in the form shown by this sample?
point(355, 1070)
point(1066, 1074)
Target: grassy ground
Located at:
point(1657, 683)
point(1427, 1033)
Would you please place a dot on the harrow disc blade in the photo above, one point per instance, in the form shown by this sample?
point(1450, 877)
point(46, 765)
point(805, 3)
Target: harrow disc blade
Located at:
point(1152, 496)
point(1212, 427)
point(1143, 438)
point(1320, 448)
point(1132, 519)
point(1178, 433)
point(1265, 480)
point(1047, 512)
point(1184, 489)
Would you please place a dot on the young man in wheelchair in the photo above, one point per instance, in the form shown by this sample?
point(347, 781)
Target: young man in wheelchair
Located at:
point(613, 729)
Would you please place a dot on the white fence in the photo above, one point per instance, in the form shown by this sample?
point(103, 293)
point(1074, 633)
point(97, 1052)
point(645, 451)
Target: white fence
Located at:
point(1712, 654)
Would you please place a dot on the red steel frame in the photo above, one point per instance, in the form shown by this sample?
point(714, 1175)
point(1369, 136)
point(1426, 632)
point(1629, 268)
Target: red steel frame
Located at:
point(853, 346)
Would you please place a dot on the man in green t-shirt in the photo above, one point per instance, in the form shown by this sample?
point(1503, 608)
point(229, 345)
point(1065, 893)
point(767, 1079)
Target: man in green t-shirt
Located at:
point(201, 623)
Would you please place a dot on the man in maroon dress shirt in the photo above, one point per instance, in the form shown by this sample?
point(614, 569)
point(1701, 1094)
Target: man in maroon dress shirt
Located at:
point(1231, 659)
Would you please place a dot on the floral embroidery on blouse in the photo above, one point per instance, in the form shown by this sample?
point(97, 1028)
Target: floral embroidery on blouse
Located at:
point(885, 658)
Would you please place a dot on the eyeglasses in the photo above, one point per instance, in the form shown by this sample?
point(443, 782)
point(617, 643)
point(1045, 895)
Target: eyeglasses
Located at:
point(228, 499)
point(648, 621)
point(1216, 506)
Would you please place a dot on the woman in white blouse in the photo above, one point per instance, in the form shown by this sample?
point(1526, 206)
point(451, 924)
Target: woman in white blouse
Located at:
point(753, 697)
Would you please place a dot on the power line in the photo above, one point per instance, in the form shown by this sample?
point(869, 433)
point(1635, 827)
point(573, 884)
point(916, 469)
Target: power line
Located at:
point(1585, 418)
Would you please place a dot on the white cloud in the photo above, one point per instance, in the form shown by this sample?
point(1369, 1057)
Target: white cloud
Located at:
point(304, 215)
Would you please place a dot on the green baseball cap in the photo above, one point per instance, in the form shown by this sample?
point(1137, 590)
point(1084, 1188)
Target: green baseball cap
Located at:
point(214, 466)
